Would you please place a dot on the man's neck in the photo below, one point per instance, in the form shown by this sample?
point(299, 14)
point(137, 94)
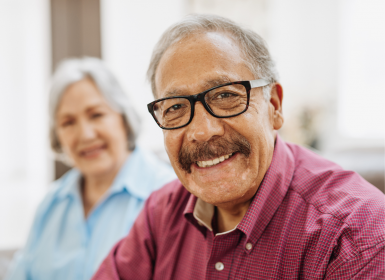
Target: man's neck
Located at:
point(229, 217)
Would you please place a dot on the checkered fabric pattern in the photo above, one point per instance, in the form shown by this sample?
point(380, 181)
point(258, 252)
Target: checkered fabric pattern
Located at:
point(310, 219)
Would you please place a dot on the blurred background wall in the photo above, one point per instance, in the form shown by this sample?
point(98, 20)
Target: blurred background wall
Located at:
point(330, 57)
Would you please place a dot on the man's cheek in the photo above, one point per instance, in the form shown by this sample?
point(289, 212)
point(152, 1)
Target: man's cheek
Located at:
point(168, 143)
point(172, 150)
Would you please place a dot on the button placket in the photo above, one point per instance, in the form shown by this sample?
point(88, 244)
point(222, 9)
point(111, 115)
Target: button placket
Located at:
point(221, 255)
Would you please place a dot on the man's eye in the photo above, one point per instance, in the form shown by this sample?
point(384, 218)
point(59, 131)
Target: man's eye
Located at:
point(174, 108)
point(224, 95)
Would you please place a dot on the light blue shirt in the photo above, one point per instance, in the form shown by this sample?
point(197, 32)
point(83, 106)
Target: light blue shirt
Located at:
point(63, 245)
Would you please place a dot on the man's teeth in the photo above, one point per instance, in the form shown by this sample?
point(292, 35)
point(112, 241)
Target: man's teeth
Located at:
point(215, 161)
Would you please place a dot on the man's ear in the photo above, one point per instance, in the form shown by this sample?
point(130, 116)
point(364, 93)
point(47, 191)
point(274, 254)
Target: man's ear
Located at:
point(276, 93)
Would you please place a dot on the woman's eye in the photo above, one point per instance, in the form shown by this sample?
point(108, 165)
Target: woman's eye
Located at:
point(67, 123)
point(96, 115)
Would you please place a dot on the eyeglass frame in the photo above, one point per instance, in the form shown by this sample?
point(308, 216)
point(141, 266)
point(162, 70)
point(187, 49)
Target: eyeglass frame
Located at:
point(201, 97)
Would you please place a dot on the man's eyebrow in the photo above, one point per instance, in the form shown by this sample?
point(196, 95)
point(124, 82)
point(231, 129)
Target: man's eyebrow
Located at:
point(217, 82)
point(207, 85)
point(175, 92)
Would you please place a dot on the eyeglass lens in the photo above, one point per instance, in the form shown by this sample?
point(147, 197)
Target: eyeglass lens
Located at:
point(223, 101)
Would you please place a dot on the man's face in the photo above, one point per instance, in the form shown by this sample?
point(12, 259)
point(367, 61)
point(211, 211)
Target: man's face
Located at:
point(191, 66)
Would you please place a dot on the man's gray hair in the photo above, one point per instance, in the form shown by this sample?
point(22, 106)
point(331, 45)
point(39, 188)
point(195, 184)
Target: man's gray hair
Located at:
point(254, 49)
point(73, 70)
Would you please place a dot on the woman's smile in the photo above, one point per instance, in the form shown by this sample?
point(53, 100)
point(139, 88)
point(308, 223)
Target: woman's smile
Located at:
point(93, 151)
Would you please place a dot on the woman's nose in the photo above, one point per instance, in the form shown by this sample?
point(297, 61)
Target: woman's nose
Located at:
point(204, 126)
point(86, 130)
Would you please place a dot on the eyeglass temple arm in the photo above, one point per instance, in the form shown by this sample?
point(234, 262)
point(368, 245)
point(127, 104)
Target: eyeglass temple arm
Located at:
point(259, 83)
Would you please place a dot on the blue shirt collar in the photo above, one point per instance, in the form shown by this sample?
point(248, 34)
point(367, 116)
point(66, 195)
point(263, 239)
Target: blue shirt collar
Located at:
point(128, 179)
point(69, 184)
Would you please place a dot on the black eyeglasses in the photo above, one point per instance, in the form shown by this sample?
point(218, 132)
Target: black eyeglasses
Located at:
point(223, 101)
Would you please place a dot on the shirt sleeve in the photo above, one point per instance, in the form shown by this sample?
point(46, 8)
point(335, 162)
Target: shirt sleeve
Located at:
point(133, 257)
point(369, 264)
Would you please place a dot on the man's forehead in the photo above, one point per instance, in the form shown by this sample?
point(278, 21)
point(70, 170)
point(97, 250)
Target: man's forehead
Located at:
point(204, 84)
point(205, 59)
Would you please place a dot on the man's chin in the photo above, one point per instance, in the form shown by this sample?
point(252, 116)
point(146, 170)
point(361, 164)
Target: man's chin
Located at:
point(224, 181)
point(216, 193)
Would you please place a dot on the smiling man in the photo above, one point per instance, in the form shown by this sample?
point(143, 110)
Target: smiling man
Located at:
point(247, 205)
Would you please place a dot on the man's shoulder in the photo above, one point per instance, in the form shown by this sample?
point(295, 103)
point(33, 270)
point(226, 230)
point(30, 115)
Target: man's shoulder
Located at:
point(341, 195)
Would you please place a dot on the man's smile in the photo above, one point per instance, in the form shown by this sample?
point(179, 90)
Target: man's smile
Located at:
point(223, 171)
point(215, 161)
point(212, 153)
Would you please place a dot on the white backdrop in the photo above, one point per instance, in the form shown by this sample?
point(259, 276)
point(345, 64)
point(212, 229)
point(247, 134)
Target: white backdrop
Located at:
point(130, 30)
point(25, 170)
point(361, 111)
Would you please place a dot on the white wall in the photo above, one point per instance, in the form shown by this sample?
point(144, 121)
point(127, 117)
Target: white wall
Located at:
point(130, 30)
point(250, 13)
point(24, 71)
point(303, 37)
point(361, 111)
point(304, 41)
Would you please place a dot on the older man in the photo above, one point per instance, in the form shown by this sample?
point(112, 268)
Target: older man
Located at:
point(247, 205)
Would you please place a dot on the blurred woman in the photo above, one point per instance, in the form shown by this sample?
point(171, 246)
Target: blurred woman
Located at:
point(92, 206)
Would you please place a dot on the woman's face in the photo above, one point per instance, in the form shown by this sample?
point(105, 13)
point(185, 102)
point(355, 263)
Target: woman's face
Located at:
point(90, 132)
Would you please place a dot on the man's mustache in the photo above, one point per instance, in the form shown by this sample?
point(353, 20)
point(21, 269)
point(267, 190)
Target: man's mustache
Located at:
point(213, 149)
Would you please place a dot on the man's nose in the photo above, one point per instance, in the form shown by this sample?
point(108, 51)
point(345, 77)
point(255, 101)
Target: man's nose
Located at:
point(204, 126)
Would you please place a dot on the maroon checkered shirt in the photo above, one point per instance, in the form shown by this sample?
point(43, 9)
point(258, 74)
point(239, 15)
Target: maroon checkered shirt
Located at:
point(310, 219)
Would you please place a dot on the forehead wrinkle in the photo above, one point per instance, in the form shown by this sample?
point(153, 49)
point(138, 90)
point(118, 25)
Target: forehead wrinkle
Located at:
point(206, 85)
point(175, 92)
point(217, 81)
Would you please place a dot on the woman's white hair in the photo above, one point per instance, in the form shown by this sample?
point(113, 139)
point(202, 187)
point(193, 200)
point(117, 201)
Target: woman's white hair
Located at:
point(255, 53)
point(76, 69)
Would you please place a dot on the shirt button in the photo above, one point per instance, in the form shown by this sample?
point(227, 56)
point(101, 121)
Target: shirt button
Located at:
point(219, 266)
point(249, 246)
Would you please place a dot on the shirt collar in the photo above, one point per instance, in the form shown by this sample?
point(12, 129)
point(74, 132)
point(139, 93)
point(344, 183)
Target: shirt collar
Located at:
point(133, 175)
point(266, 201)
point(69, 184)
point(203, 213)
point(126, 180)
